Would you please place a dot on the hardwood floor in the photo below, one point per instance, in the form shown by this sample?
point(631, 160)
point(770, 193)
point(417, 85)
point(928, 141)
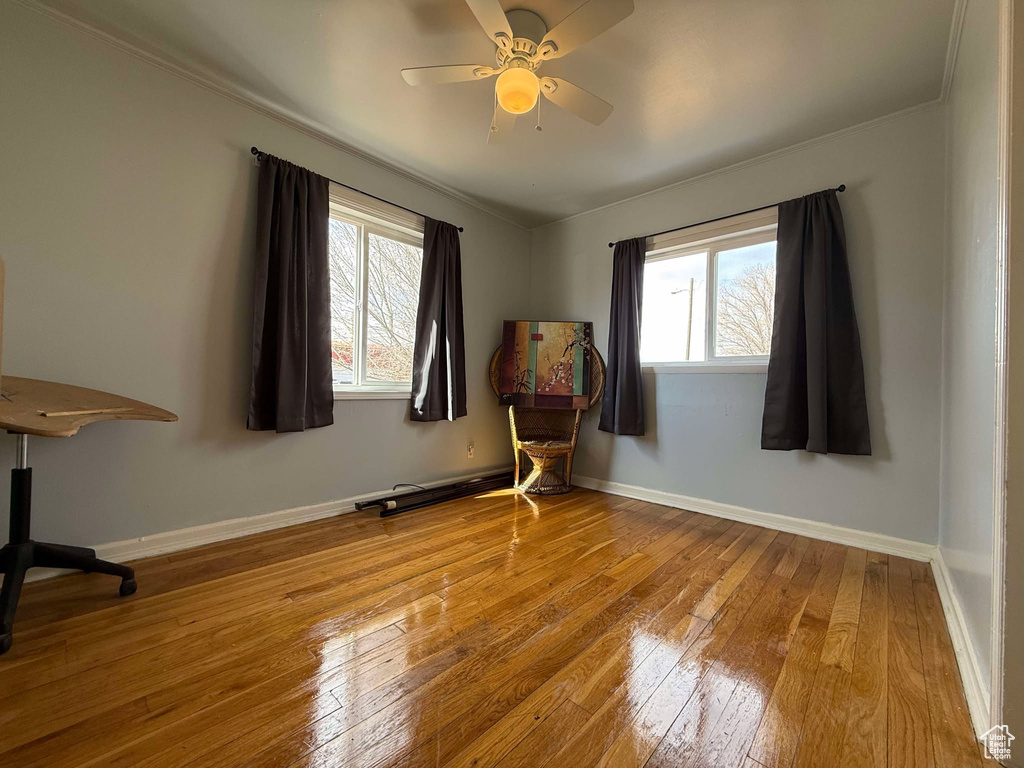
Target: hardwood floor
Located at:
point(580, 630)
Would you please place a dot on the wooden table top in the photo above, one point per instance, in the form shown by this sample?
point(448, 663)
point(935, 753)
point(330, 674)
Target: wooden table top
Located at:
point(52, 409)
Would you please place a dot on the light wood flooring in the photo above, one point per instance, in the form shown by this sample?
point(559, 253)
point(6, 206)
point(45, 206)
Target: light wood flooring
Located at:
point(578, 630)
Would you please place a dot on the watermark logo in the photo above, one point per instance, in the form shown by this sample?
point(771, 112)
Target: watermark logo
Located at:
point(997, 743)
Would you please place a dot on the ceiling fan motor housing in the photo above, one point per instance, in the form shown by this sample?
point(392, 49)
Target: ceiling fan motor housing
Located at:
point(528, 30)
point(527, 25)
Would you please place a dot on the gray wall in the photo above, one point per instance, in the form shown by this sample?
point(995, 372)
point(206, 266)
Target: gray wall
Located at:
point(704, 429)
point(126, 221)
point(968, 376)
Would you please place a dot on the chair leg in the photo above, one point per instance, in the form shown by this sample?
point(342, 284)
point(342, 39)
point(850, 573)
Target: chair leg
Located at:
point(17, 560)
point(82, 559)
point(67, 548)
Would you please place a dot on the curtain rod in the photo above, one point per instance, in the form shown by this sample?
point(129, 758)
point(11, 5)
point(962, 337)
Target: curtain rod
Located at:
point(840, 188)
point(259, 155)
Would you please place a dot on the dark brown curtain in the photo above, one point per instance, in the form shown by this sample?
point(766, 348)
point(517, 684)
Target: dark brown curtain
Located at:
point(622, 405)
point(814, 399)
point(439, 349)
point(291, 344)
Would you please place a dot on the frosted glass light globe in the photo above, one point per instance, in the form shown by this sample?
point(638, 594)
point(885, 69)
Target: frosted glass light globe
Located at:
point(517, 90)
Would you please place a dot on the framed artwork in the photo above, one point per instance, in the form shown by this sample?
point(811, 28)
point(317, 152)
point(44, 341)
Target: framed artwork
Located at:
point(545, 364)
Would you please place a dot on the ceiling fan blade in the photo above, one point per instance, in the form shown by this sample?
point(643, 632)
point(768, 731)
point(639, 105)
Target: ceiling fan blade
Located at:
point(501, 126)
point(582, 25)
point(449, 73)
point(493, 20)
point(574, 99)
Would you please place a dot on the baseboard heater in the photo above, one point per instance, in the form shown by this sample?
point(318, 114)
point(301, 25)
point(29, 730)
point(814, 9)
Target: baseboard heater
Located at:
point(396, 503)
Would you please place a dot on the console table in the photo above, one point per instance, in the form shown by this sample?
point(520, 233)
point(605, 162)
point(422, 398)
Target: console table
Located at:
point(50, 409)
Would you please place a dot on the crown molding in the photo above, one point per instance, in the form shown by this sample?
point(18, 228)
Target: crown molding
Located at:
point(240, 95)
point(773, 155)
point(243, 96)
point(952, 48)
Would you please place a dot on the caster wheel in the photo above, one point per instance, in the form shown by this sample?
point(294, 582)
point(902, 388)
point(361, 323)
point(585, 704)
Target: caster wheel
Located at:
point(6, 641)
point(128, 587)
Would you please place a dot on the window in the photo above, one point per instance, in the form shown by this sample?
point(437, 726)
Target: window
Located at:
point(375, 254)
point(709, 295)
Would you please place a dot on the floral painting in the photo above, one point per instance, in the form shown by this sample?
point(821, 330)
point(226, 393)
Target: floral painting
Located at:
point(546, 364)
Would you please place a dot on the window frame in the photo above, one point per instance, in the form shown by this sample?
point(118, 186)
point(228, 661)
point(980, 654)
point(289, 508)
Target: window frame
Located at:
point(370, 217)
point(728, 234)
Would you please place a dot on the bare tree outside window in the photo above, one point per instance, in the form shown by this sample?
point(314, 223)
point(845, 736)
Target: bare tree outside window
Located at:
point(393, 289)
point(391, 286)
point(342, 248)
point(745, 311)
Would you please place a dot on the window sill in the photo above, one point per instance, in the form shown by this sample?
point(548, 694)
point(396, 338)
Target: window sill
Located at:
point(660, 368)
point(372, 394)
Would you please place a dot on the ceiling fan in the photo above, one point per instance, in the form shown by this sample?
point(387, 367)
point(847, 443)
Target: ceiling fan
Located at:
point(524, 44)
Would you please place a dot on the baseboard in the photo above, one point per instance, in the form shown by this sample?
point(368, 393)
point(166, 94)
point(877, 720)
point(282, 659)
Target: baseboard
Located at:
point(967, 660)
point(876, 542)
point(975, 688)
point(186, 538)
point(970, 669)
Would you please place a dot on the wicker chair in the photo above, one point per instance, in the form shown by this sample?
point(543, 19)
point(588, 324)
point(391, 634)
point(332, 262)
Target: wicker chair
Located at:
point(547, 436)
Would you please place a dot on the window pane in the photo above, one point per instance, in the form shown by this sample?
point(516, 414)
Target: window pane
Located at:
point(342, 247)
point(393, 292)
point(674, 310)
point(745, 303)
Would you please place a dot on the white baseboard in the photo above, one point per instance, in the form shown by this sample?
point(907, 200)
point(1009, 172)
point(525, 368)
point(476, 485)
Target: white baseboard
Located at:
point(975, 684)
point(876, 542)
point(970, 670)
point(186, 538)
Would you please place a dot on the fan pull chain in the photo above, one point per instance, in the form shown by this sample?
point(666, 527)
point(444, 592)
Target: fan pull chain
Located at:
point(494, 123)
point(539, 100)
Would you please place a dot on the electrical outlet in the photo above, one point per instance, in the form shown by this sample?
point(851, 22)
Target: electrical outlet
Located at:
point(469, 449)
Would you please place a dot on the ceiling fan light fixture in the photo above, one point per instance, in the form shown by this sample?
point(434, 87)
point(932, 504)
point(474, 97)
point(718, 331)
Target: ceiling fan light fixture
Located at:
point(517, 90)
point(524, 43)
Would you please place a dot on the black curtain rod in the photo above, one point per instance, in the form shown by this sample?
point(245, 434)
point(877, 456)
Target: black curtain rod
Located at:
point(259, 155)
point(840, 188)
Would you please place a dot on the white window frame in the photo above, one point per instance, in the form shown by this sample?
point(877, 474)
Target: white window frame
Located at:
point(371, 217)
point(712, 238)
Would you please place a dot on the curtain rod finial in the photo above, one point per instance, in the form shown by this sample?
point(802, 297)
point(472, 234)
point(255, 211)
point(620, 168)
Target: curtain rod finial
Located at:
point(611, 245)
point(254, 150)
point(841, 188)
point(461, 229)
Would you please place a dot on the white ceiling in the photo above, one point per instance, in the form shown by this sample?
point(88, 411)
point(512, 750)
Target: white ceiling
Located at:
point(696, 84)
